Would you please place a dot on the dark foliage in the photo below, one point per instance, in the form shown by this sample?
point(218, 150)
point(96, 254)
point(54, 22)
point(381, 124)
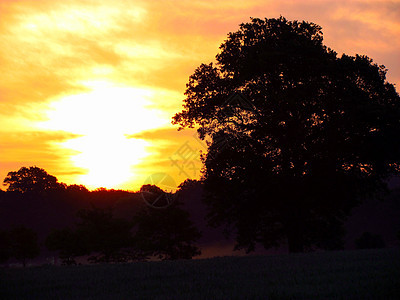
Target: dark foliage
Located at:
point(166, 233)
point(369, 240)
point(5, 246)
point(298, 136)
point(32, 179)
point(103, 236)
point(24, 244)
point(98, 234)
point(68, 243)
point(155, 196)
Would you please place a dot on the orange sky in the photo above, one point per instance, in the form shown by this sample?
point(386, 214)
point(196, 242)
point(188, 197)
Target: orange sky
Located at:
point(88, 88)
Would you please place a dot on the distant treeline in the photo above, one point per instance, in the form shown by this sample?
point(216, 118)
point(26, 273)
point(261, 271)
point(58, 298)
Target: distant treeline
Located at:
point(101, 225)
point(41, 217)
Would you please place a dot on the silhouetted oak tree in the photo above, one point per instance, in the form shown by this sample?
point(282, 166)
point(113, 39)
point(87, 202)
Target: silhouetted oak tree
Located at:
point(297, 135)
point(32, 179)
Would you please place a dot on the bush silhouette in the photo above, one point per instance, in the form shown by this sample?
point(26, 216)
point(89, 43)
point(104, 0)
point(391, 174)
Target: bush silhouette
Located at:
point(369, 240)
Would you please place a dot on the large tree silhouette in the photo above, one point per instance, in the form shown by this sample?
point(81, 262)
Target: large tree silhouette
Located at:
point(297, 135)
point(32, 179)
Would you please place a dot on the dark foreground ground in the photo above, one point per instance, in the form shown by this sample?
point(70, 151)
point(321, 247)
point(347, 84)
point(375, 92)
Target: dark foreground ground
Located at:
point(366, 274)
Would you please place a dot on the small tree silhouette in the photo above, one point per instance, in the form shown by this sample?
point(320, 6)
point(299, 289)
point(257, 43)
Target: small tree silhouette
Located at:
point(68, 243)
point(24, 244)
point(104, 236)
point(166, 233)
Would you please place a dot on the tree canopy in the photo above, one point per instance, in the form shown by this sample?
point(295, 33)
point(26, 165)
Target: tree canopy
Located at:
point(32, 179)
point(166, 233)
point(68, 243)
point(306, 135)
point(103, 235)
point(369, 240)
point(24, 244)
point(98, 234)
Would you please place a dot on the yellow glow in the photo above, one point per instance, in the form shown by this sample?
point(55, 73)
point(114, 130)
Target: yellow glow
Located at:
point(104, 117)
point(79, 68)
point(109, 160)
point(80, 17)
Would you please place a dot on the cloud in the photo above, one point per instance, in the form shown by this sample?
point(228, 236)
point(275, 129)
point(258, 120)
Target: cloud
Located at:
point(30, 148)
point(165, 134)
point(54, 46)
point(49, 50)
point(173, 152)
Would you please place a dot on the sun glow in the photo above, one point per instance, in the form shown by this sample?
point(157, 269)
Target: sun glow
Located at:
point(104, 117)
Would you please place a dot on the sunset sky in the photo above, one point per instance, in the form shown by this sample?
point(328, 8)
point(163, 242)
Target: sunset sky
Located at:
point(88, 88)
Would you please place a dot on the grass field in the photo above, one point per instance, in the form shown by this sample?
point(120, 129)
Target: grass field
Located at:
point(366, 274)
